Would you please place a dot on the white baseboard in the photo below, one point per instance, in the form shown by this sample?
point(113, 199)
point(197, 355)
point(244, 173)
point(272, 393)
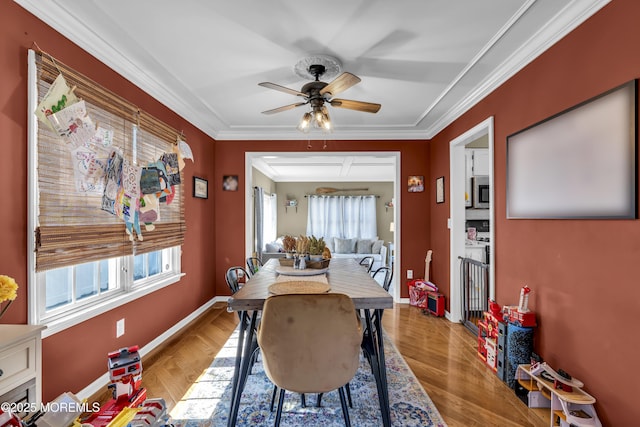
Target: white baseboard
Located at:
point(103, 380)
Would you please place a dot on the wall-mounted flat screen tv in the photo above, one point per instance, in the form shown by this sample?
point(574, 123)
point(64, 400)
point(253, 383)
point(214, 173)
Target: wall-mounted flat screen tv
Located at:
point(580, 163)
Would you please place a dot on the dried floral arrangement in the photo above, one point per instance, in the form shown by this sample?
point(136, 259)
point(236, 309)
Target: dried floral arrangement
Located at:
point(316, 246)
point(289, 244)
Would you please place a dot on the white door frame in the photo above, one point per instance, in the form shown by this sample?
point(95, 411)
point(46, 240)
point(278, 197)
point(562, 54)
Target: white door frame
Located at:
point(457, 215)
point(248, 162)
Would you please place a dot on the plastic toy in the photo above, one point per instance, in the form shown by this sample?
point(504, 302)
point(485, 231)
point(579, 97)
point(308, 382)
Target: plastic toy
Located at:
point(7, 419)
point(129, 405)
point(523, 305)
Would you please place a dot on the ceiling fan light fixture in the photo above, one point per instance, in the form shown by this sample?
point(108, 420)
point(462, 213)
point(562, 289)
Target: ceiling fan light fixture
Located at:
point(305, 122)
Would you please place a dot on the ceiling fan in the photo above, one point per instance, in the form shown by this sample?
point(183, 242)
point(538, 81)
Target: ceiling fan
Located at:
point(317, 94)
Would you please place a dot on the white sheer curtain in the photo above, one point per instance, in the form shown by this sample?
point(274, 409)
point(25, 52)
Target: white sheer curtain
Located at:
point(342, 216)
point(270, 212)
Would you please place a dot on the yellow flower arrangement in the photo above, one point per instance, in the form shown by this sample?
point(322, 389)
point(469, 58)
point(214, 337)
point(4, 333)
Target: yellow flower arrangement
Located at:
point(8, 292)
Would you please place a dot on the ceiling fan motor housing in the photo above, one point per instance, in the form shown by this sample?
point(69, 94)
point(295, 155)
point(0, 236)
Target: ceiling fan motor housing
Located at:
point(312, 90)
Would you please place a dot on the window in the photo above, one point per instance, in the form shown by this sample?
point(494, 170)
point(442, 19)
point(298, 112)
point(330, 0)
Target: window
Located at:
point(342, 216)
point(270, 225)
point(86, 259)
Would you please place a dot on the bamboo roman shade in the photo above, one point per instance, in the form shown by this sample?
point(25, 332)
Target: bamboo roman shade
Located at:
point(72, 227)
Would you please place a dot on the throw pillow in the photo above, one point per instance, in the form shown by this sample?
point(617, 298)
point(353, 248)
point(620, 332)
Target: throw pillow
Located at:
point(377, 245)
point(272, 247)
point(364, 246)
point(342, 246)
point(329, 243)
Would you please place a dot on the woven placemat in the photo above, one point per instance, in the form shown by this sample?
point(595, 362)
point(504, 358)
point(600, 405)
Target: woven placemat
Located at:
point(321, 278)
point(299, 287)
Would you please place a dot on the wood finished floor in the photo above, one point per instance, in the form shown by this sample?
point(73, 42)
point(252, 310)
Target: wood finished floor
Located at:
point(441, 354)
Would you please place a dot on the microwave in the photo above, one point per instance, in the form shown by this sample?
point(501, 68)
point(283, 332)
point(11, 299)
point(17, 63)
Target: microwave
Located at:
point(480, 192)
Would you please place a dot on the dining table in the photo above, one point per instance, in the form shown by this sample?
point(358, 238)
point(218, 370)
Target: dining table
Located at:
point(343, 276)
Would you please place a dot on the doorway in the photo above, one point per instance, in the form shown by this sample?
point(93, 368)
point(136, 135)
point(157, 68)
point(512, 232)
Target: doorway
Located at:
point(458, 230)
point(394, 209)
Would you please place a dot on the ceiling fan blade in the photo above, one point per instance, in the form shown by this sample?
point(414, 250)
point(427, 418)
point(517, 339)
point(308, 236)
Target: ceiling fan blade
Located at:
point(341, 83)
point(367, 107)
point(270, 85)
point(284, 108)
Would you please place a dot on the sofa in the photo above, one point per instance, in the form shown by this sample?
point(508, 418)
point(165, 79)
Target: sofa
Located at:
point(358, 249)
point(341, 248)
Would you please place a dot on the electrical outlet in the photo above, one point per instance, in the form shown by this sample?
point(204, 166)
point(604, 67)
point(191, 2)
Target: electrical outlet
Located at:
point(409, 274)
point(119, 328)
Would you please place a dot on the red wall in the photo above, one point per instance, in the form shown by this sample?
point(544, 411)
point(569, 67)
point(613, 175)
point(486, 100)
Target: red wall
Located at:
point(583, 273)
point(77, 356)
point(230, 206)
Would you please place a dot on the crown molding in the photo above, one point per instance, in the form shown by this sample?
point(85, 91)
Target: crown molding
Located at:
point(574, 14)
point(53, 14)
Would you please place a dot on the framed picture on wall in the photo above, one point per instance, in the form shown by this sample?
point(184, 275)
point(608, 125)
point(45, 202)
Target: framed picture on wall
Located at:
point(200, 188)
point(440, 189)
point(415, 184)
point(230, 183)
point(580, 163)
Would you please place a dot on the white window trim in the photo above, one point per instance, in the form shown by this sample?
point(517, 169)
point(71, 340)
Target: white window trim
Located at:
point(127, 293)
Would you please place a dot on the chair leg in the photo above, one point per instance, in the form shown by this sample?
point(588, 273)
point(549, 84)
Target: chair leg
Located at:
point(279, 412)
point(345, 409)
point(348, 389)
point(254, 358)
point(319, 400)
point(273, 397)
point(303, 401)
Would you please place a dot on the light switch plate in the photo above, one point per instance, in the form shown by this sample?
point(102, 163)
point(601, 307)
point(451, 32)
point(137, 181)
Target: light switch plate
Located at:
point(119, 328)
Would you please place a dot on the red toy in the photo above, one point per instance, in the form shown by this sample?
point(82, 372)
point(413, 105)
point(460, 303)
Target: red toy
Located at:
point(435, 303)
point(7, 419)
point(512, 315)
point(487, 339)
point(125, 372)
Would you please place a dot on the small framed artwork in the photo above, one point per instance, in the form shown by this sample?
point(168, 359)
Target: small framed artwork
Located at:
point(415, 184)
point(200, 188)
point(230, 182)
point(440, 189)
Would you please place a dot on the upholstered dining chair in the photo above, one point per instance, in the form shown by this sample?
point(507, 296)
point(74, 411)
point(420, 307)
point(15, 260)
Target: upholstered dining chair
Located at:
point(310, 343)
point(253, 264)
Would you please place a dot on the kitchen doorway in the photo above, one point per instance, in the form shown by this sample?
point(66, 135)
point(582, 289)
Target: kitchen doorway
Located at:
point(457, 221)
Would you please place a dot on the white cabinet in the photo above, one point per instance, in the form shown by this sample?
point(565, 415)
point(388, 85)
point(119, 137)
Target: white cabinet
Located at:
point(476, 162)
point(480, 161)
point(20, 363)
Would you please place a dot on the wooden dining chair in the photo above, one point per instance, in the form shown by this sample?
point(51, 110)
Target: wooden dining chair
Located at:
point(310, 343)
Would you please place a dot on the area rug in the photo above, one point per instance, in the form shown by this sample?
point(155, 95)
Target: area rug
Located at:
point(207, 401)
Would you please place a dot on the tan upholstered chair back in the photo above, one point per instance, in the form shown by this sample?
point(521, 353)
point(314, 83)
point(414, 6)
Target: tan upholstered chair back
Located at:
point(310, 343)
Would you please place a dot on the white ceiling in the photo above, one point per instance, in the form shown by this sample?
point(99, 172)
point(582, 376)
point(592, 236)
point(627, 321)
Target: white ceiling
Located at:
point(320, 167)
point(426, 62)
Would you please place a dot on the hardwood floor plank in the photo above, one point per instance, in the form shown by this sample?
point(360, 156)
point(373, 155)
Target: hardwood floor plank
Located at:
point(441, 354)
